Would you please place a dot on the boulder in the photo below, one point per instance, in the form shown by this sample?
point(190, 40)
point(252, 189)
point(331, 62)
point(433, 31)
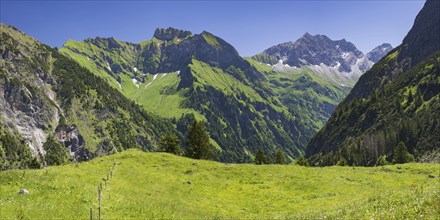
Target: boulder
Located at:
point(23, 192)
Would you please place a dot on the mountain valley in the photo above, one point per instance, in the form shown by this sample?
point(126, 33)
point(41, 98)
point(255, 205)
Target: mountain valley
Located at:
point(181, 126)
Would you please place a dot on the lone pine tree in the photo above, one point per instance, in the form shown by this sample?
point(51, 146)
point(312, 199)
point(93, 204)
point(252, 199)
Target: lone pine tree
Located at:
point(260, 157)
point(401, 154)
point(197, 142)
point(280, 157)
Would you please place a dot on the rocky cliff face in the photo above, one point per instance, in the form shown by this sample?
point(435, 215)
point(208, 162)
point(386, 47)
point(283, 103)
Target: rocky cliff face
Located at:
point(73, 141)
point(43, 93)
point(25, 94)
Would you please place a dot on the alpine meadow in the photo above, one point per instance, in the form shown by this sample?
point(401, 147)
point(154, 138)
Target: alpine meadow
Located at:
point(181, 125)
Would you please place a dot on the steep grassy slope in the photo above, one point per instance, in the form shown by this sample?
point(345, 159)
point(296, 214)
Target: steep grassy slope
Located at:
point(157, 185)
point(306, 95)
point(398, 100)
point(242, 117)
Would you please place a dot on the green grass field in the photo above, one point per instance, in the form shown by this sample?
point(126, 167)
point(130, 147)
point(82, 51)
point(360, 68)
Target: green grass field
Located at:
point(164, 186)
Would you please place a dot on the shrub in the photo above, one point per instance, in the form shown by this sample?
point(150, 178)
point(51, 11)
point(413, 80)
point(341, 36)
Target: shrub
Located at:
point(382, 161)
point(170, 144)
point(302, 161)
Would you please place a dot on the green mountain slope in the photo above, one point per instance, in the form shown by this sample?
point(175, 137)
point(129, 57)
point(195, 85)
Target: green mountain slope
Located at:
point(164, 186)
point(245, 106)
point(306, 95)
point(47, 96)
point(398, 100)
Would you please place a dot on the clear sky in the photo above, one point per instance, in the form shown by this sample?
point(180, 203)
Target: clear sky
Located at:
point(250, 26)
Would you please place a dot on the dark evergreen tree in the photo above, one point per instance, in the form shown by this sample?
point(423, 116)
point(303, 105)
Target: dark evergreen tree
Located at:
point(197, 142)
point(14, 152)
point(410, 98)
point(34, 163)
point(170, 144)
point(2, 157)
point(280, 157)
point(401, 154)
point(56, 154)
point(260, 157)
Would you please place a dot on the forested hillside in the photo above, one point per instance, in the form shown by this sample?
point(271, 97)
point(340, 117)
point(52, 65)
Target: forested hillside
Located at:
point(396, 103)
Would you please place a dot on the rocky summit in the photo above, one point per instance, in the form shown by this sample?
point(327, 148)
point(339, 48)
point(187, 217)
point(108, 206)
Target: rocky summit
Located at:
point(378, 52)
point(168, 34)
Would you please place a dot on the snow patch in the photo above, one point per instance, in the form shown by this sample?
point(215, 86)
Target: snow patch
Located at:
point(108, 67)
point(163, 75)
point(178, 72)
point(148, 84)
point(303, 61)
point(135, 69)
point(135, 82)
point(119, 84)
point(154, 77)
point(88, 58)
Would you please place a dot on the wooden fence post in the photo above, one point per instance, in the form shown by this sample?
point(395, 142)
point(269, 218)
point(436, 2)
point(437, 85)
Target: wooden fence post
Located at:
point(99, 201)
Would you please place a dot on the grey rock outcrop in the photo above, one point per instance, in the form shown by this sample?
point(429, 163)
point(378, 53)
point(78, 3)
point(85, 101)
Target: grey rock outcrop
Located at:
point(70, 137)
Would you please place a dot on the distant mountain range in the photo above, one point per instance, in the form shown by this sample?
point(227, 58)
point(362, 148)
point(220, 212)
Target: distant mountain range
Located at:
point(337, 61)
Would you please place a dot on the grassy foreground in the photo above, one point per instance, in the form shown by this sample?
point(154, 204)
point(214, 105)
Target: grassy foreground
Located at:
point(164, 186)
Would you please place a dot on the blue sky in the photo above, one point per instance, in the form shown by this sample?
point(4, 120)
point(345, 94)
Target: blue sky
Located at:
point(250, 26)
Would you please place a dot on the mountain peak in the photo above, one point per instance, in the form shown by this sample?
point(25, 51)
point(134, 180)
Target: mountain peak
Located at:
point(307, 35)
point(422, 40)
point(378, 52)
point(167, 34)
point(107, 42)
